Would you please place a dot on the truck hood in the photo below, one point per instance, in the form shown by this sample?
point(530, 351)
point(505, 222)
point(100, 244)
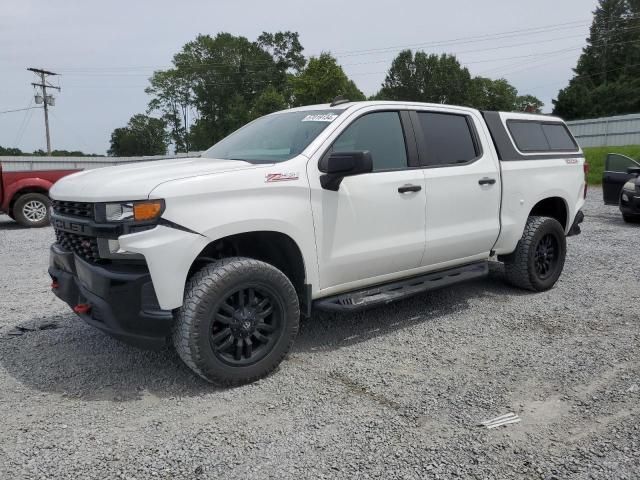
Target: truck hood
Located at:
point(134, 181)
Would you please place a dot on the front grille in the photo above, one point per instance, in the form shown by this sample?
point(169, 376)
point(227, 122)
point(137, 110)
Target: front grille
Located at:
point(84, 247)
point(73, 209)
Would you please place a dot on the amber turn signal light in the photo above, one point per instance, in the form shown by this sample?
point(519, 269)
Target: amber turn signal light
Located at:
point(147, 210)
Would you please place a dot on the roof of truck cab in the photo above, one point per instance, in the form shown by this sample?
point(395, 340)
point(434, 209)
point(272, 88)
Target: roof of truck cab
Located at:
point(390, 103)
point(373, 103)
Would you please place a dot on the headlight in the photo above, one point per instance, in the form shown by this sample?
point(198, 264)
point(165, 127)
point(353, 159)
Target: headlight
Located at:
point(117, 212)
point(630, 185)
point(142, 211)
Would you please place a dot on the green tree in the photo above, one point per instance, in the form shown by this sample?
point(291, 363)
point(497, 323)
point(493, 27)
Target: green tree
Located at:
point(14, 152)
point(608, 66)
point(321, 81)
point(433, 78)
point(173, 97)
point(225, 81)
point(426, 78)
point(488, 94)
point(227, 74)
point(270, 100)
point(528, 103)
point(285, 49)
point(71, 153)
point(143, 135)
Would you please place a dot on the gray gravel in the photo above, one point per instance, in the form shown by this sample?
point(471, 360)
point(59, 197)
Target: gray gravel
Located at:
point(391, 393)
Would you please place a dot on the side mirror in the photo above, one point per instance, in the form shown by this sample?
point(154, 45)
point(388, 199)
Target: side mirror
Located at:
point(338, 165)
point(633, 170)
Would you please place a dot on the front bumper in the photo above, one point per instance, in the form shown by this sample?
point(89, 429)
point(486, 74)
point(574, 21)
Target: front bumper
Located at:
point(118, 299)
point(631, 206)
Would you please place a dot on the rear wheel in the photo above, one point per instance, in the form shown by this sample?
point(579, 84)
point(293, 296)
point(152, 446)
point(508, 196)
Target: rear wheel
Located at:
point(238, 321)
point(32, 210)
point(631, 218)
point(539, 257)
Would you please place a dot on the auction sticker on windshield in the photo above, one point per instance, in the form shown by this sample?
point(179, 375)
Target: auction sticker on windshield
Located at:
point(325, 117)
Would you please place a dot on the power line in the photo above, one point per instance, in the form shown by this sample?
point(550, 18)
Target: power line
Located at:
point(195, 67)
point(460, 40)
point(19, 110)
point(486, 37)
point(584, 76)
point(469, 39)
point(23, 125)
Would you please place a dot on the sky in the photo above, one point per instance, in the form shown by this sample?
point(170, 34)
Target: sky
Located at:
point(105, 51)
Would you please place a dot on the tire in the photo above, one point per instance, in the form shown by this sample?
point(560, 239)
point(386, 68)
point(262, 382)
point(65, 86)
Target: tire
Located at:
point(631, 218)
point(212, 316)
point(32, 210)
point(537, 262)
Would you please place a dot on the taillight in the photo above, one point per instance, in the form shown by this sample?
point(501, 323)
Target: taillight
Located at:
point(585, 167)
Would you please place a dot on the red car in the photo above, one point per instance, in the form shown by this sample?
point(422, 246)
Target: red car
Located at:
point(25, 182)
point(24, 187)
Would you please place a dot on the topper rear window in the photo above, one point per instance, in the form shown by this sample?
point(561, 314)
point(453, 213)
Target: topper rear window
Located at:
point(537, 136)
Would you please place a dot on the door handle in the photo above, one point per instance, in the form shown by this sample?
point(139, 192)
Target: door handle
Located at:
point(487, 181)
point(409, 188)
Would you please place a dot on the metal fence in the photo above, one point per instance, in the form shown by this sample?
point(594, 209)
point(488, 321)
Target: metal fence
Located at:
point(31, 163)
point(607, 132)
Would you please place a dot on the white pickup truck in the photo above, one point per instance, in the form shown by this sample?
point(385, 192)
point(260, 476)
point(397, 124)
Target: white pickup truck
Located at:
point(335, 207)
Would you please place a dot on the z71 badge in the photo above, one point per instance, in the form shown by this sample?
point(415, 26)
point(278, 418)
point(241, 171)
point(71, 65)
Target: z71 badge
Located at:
point(281, 177)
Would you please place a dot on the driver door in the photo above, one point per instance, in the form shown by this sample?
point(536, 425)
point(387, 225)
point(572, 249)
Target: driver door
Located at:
point(374, 225)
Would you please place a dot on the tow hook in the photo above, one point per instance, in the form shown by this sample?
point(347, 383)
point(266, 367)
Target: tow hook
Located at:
point(82, 308)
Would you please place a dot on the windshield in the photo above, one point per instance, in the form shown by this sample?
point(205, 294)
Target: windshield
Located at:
point(274, 138)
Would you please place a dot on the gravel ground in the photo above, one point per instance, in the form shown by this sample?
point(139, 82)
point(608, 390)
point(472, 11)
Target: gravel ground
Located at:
point(395, 392)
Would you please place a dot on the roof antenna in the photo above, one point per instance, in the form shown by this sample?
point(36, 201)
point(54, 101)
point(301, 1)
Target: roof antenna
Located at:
point(339, 100)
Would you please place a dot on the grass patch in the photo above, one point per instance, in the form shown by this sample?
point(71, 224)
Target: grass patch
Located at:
point(596, 156)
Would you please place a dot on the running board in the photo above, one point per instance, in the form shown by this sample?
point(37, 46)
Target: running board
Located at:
point(391, 292)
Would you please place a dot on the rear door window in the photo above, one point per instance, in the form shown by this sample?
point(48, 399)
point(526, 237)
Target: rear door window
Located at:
point(448, 138)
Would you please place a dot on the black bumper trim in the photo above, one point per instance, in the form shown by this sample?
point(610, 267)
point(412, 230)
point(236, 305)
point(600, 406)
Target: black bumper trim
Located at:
point(122, 299)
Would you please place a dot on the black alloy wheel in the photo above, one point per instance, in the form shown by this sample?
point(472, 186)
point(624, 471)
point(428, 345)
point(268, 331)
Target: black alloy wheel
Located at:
point(246, 325)
point(546, 256)
point(538, 260)
point(237, 322)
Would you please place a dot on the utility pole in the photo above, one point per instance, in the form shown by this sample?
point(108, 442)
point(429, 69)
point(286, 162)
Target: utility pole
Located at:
point(47, 99)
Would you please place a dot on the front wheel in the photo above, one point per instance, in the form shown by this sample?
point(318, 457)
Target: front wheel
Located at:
point(32, 210)
point(238, 321)
point(539, 257)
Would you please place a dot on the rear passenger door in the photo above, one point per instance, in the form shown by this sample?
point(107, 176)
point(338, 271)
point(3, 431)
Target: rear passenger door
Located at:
point(462, 186)
point(615, 176)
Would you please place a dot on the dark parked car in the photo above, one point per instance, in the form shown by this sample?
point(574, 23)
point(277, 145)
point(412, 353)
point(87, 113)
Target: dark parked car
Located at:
point(621, 185)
